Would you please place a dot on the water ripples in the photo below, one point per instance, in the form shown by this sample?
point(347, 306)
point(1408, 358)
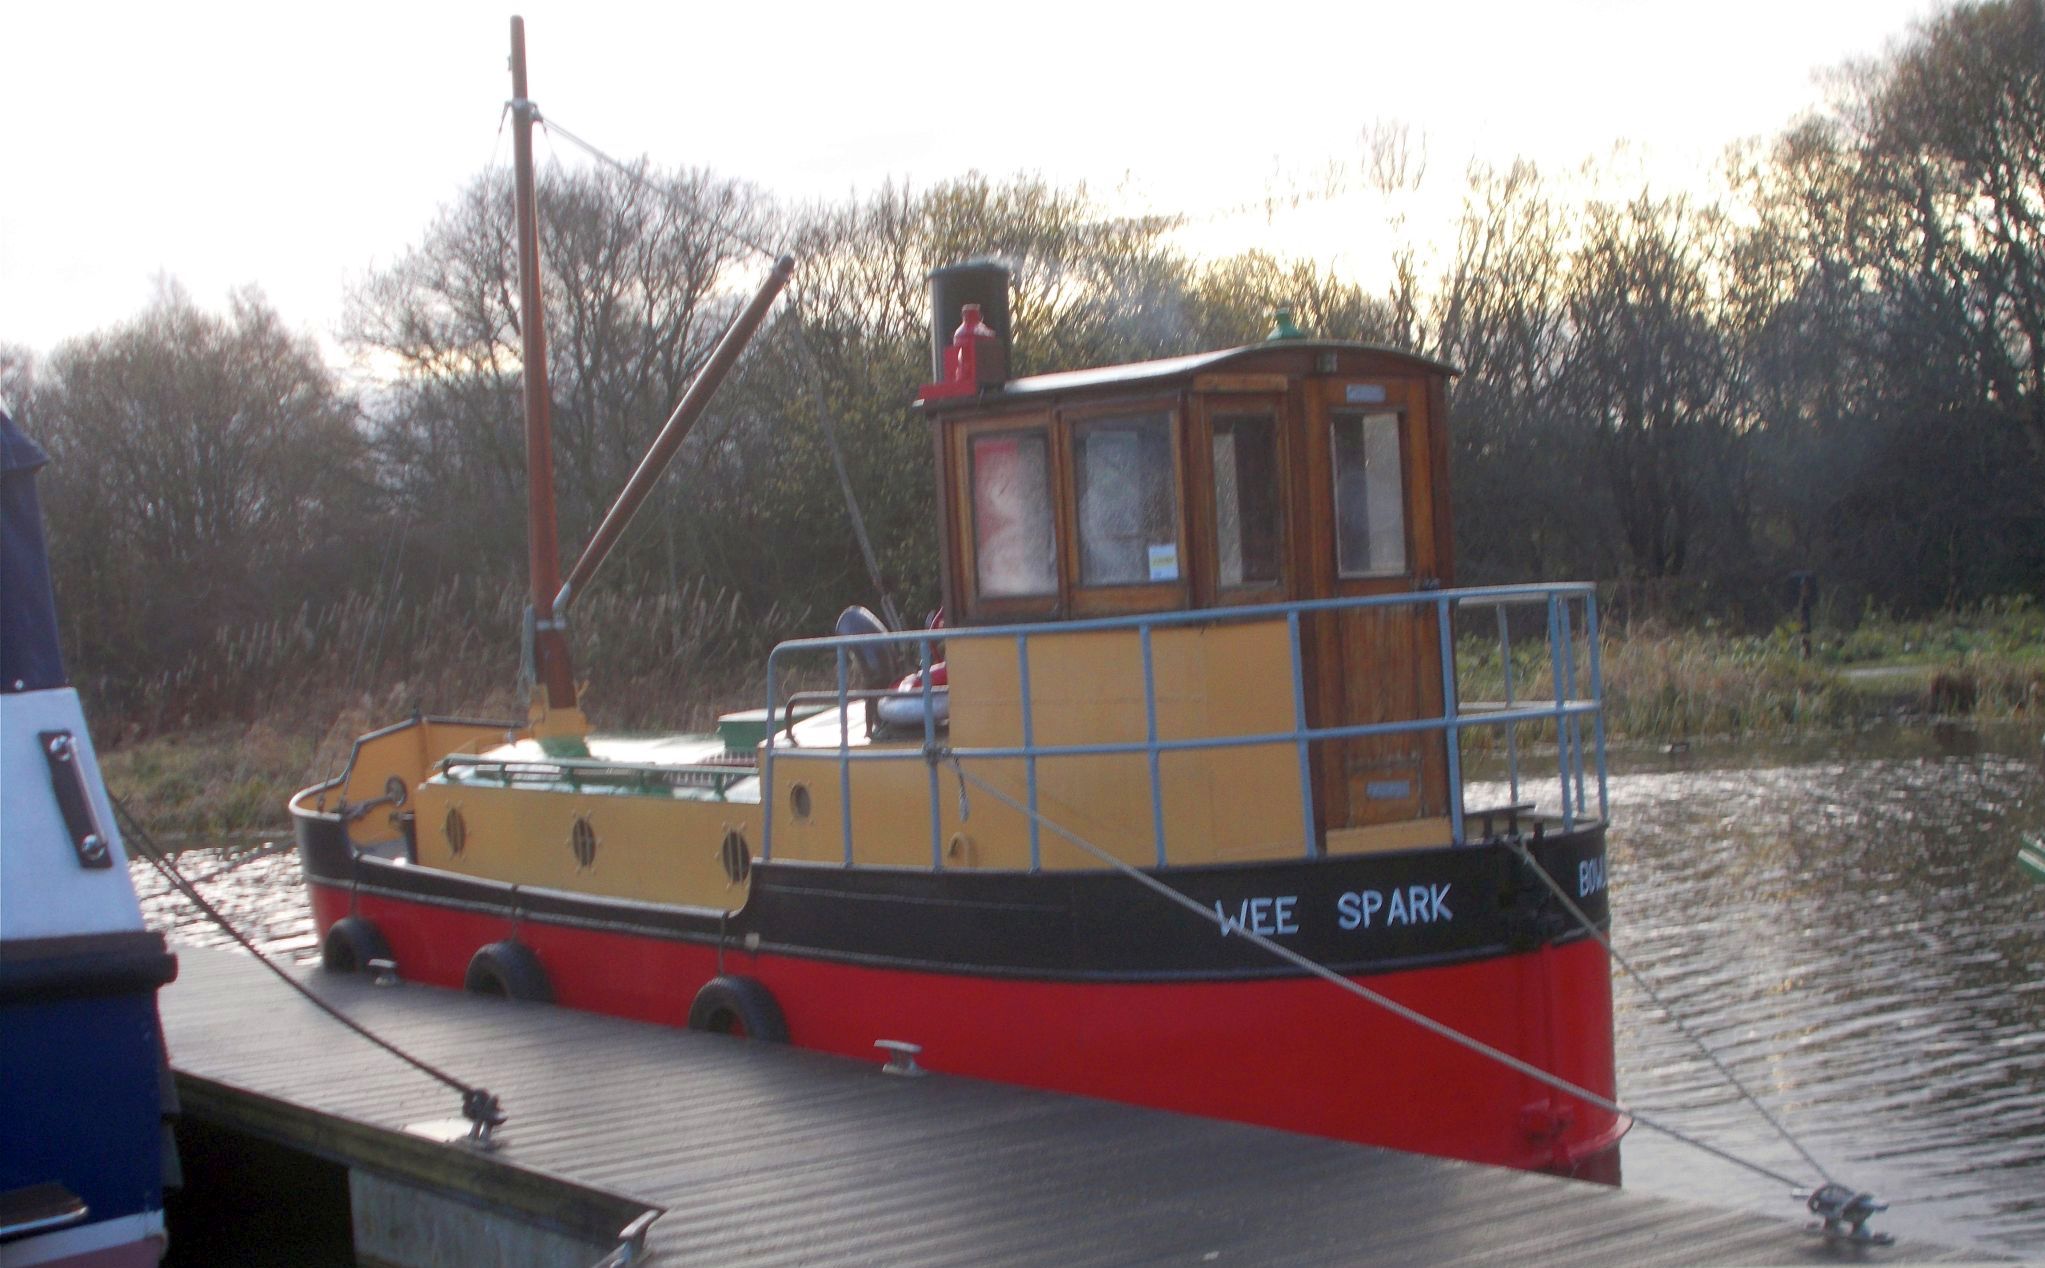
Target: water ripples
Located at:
point(1852, 937)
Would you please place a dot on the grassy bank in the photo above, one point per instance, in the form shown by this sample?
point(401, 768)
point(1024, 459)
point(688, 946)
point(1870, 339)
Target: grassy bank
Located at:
point(676, 664)
point(1664, 685)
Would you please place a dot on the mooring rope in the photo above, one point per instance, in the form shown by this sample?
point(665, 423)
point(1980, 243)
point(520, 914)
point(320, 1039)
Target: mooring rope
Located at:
point(268, 851)
point(479, 1106)
point(1519, 847)
point(1317, 969)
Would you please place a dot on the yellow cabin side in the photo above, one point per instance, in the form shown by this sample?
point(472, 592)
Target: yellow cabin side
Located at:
point(1086, 688)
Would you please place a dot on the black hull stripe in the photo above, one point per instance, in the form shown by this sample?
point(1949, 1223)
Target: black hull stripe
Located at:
point(1359, 915)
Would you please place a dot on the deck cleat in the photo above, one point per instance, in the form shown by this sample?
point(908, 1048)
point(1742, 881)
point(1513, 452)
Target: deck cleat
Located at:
point(485, 1115)
point(901, 1057)
point(1843, 1215)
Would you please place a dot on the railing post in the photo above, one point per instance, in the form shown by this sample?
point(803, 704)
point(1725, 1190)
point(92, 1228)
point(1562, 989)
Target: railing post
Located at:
point(1512, 729)
point(1561, 736)
point(1575, 722)
point(1299, 729)
point(1157, 796)
point(844, 759)
point(930, 749)
point(767, 768)
point(1451, 713)
point(1590, 617)
point(1029, 743)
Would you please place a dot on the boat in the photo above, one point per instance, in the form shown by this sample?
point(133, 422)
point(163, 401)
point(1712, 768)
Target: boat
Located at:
point(83, 1097)
point(1181, 766)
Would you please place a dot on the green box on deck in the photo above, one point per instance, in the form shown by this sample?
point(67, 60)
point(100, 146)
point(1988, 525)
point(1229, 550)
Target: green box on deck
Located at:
point(744, 731)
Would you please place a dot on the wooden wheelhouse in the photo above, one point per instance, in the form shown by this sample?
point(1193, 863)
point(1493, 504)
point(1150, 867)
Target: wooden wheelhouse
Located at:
point(1294, 470)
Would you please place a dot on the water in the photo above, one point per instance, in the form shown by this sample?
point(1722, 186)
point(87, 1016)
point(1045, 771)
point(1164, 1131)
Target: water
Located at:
point(1842, 921)
point(262, 894)
point(1845, 925)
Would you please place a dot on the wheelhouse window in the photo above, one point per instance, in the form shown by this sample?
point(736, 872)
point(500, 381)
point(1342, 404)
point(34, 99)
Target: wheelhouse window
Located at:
point(1246, 509)
point(1370, 506)
point(1014, 550)
point(1128, 498)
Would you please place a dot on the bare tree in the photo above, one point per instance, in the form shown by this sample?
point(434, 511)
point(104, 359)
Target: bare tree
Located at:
point(17, 380)
point(845, 359)
point(1648, 375)
point(642, 269)
point(1890, 293)
point(205, 470)
point(1951, 139)
point(1232, 301)
point(1497, 312)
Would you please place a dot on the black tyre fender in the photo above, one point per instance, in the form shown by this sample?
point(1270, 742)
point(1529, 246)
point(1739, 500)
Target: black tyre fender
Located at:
point(732, 1005)
point(508, 970)
point(351, 944)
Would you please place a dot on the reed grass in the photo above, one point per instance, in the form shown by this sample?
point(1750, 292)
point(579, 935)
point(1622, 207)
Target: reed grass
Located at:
point(1665, 685)
point(215, 749)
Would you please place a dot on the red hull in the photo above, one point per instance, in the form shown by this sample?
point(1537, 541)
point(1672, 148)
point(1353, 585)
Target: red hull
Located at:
point(1290, 1053)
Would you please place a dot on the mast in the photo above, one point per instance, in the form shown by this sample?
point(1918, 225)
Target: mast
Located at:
point(552, 673)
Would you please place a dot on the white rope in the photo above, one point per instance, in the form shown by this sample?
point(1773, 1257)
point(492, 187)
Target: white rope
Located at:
point(1364, 993)
point(637, 176)
point(1519, 847)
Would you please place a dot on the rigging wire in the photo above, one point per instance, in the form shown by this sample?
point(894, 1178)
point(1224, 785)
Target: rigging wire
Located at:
point(1361, 991)
point(637, 175)
point(496, 144)
point(830, 430)
point(479, 1106)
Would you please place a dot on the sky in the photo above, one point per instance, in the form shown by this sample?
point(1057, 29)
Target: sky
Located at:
point(295, 147)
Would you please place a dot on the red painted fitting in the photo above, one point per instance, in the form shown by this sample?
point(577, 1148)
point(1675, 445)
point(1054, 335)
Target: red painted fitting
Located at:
point(962, 358)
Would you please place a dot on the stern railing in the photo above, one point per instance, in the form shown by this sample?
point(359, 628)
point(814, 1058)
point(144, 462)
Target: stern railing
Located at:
point(1566, 615)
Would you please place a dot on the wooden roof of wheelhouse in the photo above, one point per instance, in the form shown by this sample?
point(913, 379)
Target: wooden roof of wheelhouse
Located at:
point(1297, 468)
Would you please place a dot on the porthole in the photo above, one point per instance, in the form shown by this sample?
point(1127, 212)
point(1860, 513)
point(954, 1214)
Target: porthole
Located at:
point(457, 830)
point(736, 856)
point(798, 802)
point(582, 840)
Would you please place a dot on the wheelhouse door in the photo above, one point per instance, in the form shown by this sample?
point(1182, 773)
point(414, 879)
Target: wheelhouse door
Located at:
point(1240, 451)
point(1374, 500)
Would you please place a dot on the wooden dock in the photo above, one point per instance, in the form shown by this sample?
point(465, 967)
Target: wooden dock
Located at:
point(625, 1138)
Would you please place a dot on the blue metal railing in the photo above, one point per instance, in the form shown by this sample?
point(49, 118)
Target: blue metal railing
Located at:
point(1577, 695)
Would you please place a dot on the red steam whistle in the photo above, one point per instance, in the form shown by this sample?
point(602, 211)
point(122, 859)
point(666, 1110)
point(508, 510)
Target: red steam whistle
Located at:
point(973, 361)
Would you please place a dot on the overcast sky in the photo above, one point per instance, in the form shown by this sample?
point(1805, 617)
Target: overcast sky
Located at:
point(294, 146)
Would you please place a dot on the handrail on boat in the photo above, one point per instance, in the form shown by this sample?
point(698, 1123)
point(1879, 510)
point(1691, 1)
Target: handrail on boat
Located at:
point(840, 698)
point(1568, 611)
point(718, 775)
